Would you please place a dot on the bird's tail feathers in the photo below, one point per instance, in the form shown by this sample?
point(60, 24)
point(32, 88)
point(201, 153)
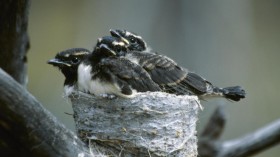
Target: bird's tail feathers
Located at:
point(234, 93)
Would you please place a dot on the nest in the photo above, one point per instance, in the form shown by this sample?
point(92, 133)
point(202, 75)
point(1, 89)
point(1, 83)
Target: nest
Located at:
point(151, 124)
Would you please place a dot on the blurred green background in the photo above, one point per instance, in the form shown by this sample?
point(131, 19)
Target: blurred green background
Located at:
point(228, 42)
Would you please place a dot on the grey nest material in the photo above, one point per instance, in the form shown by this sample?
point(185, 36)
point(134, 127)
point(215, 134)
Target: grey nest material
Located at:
point(151, 124)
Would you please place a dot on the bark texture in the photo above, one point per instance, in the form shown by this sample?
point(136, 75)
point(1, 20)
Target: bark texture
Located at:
point(14, 39)
point(28, 129)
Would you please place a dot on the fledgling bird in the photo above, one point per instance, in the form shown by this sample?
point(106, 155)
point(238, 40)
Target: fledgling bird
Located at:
point(134, 41)
point(101, 73)
point(67, 62)
point(166, 73)
point(104, 73)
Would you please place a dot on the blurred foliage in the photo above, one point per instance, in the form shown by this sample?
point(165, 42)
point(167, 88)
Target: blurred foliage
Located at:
point(227, 42)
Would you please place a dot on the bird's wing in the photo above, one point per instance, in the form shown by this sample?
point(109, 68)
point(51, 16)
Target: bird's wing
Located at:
point(163, 70)
point(129, 74)
point(198, 84)
point(171, 77)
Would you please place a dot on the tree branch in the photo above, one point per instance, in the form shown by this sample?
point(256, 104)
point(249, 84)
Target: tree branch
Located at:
point(215, 125)
point(252, 143)
point(210, 146)
point(14, 40)
point(27, 129)
point(207, 141)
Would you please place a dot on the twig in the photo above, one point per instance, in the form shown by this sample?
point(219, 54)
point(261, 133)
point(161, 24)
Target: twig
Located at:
point(210, 146)
point(215, 125)
point(252, 143)
point(207, 141)
point(27, 129)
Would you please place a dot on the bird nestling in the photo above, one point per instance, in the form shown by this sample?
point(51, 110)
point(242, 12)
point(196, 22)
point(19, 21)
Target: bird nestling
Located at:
point(101, 73)
point(67, 62)
point(104, 73)
point(122, 65)
point(163, 70)
point(134, 41)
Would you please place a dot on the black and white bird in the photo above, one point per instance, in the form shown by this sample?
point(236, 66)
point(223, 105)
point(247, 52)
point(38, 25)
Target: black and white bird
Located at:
point(67, 62)
point(102, 73)
point(165, 72)
point(134, 41)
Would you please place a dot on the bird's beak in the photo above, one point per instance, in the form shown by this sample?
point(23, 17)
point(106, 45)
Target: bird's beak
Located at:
point(115, 33)
point(106, 49)
point(57, 62)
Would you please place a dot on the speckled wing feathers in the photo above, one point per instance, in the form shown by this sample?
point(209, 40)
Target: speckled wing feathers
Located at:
point(163, 70)
point(171, 77)
point(129, 74)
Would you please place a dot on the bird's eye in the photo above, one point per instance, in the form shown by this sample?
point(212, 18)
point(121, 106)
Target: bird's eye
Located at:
point(132, 39)
point(75, 60)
